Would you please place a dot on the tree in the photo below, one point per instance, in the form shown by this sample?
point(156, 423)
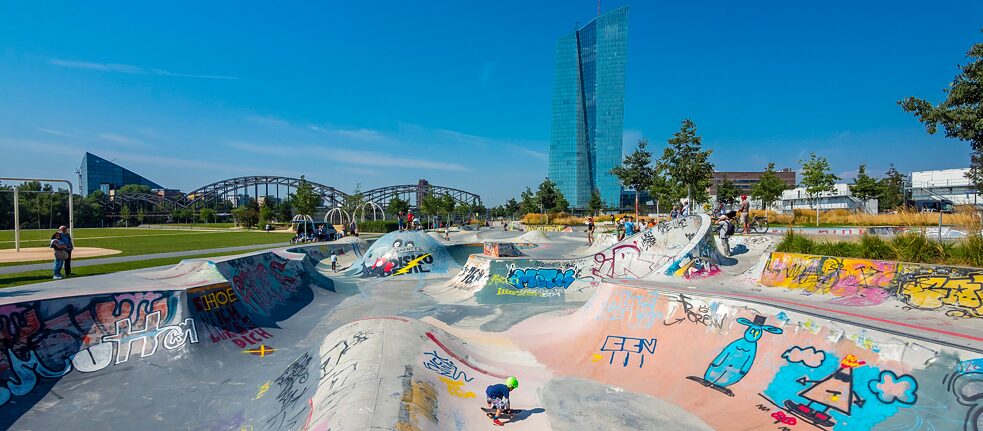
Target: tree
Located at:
point(892, 190)
point(865, 187)
point(247, 215)
point(686, 164)
point(549, 197)
point(307, 199)
point(663, 189)
point(124, 215)
point(430, 205)
point(636, 171)
point(596, 204)
point(727, 192)
point(352, 202)
point(446, 205)
point(285, 210)
point(207, 215)
point(141, 215)
point(133, 188)
point(529, 203)
point(769, 187)
point(818, 179)
point(266, 214)
point(397, 205)
point(511, 207)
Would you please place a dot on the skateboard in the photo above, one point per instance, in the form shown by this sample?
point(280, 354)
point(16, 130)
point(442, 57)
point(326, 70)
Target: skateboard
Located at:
point(809, 414)
point(505, 414)
point(703, 382)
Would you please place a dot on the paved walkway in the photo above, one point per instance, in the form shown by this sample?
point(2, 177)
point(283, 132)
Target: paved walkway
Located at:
point(87, 262)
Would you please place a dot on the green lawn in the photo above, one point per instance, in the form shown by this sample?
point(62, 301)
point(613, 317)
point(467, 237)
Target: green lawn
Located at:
point(40, 276)
point(145, 241)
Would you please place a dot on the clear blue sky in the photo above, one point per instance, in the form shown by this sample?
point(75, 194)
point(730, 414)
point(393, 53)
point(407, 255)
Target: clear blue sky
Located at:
point(387, 92)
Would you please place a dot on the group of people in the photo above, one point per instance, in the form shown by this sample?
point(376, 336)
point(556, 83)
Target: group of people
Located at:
point(680, 210)
point(406, 222)
point(61, 243)
point(726, 225)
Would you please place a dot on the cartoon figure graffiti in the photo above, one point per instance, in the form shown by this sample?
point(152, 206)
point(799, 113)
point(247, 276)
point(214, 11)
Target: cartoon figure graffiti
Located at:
point(735, 360)
point(834, 391)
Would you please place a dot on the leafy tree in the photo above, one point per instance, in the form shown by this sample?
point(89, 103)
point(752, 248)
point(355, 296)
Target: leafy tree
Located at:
point(447, 204)
point(266, 214)
point(727, 192)
point(865, 187)
point(636, 171)
point(247, 215)
point(529, 202)
point(397, 205)
point(664, 190)
point(134, 188)
point(549, 197)
point(207, 215)
point(124, 215)
point(892, 190)
point(285, 210)
point(769, 187)
point(818, 179)
point(430, 205)
point(596, 204)
point(307, 199)
point(687, 164)
point(141, 215)
point(511, 207)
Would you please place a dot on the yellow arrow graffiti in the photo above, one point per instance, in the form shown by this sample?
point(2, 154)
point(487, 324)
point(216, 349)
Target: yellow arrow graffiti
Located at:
point(411, 264)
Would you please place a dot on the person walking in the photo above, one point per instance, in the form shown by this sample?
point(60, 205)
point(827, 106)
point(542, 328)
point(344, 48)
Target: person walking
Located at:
point(60, 254)
point(334, 261)
point(66, 239)
point(745, 209)
point(726, 230)
point(590, 230)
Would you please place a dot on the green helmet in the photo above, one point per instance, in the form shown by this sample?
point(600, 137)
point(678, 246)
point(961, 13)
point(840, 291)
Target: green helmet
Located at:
point(512, 383)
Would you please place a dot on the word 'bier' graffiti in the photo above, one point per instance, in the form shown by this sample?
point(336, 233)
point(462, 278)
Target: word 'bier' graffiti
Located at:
point(957, 291)
point(43, 342)
point(541, 278)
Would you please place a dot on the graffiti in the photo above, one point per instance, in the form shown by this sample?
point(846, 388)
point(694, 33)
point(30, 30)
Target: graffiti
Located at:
point(697, 314)
point(807, 356)
point(960, 291)
point(890, 388)
point(833, 392)
point(968, 390)
point(678, 223)
point(523, 292)
point(42, 341)
point(540, 278)
point(498, 279)
point(455, 388)
point(409, 263)
point(501, 249)
point(218, 308)
point(445, 367)
point(637, 307)
point(214, 299)
point(473, 274)
point(417, 405)
point(293, 384)
point(335, 371)
point(628, 345)
point(781, 418)
point(697, 268)
point(735, 360)
point(615, 263)
point(648, 239)
point(261, 351)
point(263, 389)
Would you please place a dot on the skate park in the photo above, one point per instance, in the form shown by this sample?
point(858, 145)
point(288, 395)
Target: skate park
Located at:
point(658, 331)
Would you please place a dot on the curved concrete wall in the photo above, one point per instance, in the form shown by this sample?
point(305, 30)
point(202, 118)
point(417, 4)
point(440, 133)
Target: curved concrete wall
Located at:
point(955, 291)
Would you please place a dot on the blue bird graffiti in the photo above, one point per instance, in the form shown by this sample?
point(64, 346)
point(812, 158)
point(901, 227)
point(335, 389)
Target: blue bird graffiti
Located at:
point(735, 360)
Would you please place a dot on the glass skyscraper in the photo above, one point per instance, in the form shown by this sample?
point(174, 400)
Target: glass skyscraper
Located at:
point(589, 109)
point(98, 173)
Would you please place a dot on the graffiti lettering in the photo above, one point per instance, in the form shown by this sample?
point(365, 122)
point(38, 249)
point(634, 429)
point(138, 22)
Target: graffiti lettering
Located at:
point(700, 314)
point(540, 278)
point(960, 291)
point(293, 385)
point(616, 264)
point(445, 367)
point(628, 345)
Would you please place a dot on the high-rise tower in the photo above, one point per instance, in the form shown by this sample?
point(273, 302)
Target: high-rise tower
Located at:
point(589, 109)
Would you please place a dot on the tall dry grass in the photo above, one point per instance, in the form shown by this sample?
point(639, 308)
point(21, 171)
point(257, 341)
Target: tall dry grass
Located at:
point(964, 217)
point(906, 247)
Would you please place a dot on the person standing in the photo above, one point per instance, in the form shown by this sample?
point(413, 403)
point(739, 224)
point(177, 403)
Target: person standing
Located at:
point(590, 230)
point(399, 221)
point(686, 208)
point(674, 214)
point(409, 221)
point(726, 230)
point(620, 228)
point(66, 239)
point(629, 227)
point(745, 209)
point(334, 261)
point(60, 254)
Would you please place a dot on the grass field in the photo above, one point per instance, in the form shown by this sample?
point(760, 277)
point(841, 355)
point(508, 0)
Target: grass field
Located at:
point(134, 241)
point(40, 276)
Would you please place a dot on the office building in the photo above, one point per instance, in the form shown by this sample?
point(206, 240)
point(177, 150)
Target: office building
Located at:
point(98, 173)
point(744, 181)
point(944, 184)
point(588, 109)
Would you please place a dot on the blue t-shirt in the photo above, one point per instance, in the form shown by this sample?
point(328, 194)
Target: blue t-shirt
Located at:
point(629, 228)
point(497, 391)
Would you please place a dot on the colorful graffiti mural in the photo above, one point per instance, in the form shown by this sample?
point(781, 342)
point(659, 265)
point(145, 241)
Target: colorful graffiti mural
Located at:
point(958, 292)
point(541, 278)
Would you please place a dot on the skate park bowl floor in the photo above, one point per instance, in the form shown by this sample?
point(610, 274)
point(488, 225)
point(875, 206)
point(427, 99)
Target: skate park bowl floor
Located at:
point(392, 340)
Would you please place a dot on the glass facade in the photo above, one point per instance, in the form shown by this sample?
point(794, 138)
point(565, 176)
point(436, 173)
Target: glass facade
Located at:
point(98, 173)
point(588, 109)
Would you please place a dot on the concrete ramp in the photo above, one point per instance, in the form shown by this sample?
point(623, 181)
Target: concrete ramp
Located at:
point(413, 254)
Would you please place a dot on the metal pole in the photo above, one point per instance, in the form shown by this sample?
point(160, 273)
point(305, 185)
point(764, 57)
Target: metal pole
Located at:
point(16, 221)
point(71, 212)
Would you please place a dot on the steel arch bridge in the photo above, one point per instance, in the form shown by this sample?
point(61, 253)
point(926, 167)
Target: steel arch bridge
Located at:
point(220, 190)
point(414, 194)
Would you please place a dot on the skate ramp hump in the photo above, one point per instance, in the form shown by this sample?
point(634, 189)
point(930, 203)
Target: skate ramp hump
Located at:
point(407, 254)
point(740, 366)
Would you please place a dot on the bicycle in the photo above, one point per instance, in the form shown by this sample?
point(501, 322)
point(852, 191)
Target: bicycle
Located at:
point(759, 224)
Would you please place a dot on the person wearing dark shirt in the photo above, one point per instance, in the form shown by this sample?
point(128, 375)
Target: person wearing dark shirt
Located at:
point(498, 398)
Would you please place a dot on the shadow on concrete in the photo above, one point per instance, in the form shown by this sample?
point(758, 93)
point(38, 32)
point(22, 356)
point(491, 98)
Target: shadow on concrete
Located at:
point(524, 414)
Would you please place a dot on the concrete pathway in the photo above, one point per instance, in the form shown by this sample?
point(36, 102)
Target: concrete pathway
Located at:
point(88, 262)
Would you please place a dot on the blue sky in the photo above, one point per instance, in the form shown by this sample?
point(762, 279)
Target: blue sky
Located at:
point(387, 92)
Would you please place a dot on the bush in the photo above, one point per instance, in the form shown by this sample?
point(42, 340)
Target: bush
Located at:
point(834, 248)
point(795, 243)
point(971, 251)
point(874, 247)
point(916, 247)
point(378, 226)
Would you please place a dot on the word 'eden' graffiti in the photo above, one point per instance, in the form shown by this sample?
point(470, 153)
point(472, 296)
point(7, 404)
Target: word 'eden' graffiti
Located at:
point(541, 278)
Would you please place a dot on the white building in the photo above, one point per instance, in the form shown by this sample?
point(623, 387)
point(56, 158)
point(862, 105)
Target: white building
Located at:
point(950, 184)
point(840, 198)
